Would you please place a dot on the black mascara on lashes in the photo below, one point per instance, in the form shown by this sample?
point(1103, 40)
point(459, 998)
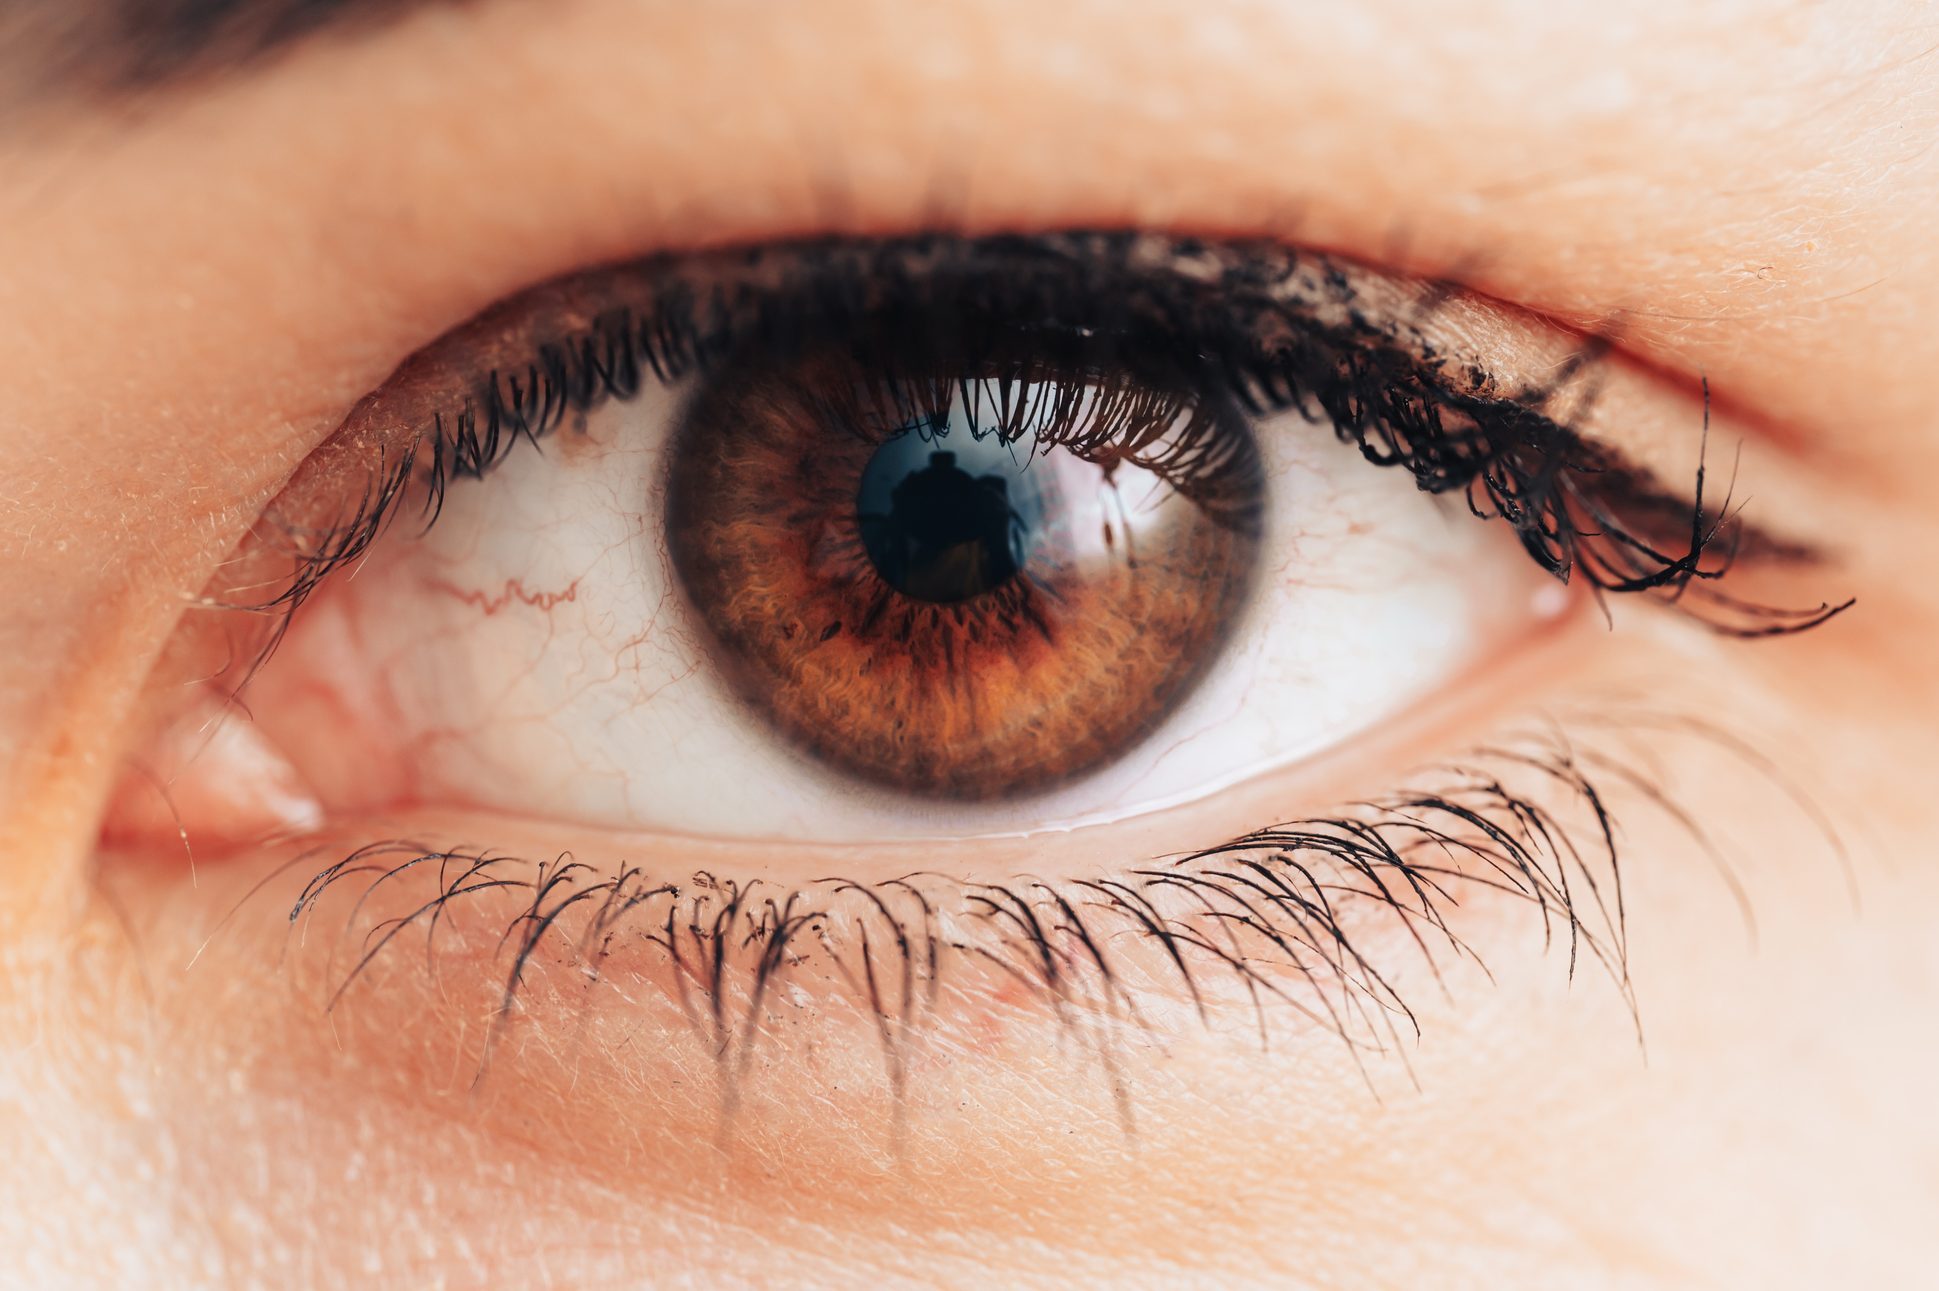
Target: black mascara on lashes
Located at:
point(1268, 328)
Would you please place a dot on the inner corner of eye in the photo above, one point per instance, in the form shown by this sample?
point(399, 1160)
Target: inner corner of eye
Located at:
point(842, 586)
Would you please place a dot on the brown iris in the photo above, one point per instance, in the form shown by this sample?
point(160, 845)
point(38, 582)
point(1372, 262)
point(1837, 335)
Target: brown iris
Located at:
point(974, 583)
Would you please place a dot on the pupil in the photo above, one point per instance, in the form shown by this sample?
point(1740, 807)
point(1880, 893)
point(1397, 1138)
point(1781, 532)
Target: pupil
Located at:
point(947, 518)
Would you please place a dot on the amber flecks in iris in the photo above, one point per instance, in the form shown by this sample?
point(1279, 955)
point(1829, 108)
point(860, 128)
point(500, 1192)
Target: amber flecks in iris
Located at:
point(909, 654)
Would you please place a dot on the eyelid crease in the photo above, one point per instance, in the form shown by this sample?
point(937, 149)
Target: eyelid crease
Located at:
point(1389, 362)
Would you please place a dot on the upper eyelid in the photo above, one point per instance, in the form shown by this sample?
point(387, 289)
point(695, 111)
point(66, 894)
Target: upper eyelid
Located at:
point(512, 371)
point(1438, 321)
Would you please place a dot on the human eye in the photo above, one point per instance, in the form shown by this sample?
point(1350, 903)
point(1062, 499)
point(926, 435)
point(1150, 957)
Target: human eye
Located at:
point(823, 658)
point(905, 538)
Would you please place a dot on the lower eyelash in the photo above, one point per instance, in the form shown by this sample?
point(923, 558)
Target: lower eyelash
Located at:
point(1283, 920)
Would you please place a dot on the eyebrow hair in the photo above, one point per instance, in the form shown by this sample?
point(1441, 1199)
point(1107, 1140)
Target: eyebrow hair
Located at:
point(122, 45)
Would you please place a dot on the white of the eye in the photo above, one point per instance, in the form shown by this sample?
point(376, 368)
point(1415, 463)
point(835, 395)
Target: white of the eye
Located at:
point(533, 653)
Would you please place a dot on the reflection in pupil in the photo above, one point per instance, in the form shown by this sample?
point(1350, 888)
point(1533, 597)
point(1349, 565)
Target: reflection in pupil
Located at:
point(947, 526)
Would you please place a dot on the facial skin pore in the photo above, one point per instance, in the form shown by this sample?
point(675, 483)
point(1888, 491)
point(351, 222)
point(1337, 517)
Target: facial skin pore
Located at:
point(197, 285)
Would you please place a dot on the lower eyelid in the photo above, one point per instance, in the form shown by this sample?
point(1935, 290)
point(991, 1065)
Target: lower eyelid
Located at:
point(1308, 928)
point(626, 1077)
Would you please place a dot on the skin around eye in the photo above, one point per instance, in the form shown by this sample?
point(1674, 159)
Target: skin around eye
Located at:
point(209, 279)
point(760, 950)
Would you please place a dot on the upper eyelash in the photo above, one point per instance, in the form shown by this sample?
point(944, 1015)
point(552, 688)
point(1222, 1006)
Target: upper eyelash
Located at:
point(1222, 314)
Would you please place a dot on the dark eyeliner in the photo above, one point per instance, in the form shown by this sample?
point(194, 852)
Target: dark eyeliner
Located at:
point(1266, 328)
